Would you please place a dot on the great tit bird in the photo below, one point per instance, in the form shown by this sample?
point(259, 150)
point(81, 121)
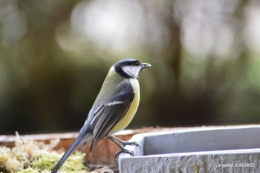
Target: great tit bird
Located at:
point(113, 109)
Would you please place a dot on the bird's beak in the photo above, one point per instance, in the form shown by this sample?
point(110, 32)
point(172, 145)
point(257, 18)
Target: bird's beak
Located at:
point(146, 65)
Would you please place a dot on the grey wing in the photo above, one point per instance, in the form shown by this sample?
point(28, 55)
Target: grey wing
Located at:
point(108, 114)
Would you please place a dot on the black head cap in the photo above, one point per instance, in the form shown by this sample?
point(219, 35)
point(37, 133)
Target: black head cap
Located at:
point(130, 68)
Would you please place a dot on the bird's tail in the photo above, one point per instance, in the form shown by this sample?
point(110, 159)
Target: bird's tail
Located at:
point(82, 137)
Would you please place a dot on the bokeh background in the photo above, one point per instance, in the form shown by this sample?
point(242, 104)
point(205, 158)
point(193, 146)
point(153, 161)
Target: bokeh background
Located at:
point(55, 54)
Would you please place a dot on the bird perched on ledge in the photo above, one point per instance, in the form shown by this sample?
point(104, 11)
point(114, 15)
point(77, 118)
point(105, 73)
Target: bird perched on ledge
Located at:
point(113, 109)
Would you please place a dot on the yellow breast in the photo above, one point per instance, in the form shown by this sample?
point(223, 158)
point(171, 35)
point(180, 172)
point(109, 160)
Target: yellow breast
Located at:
point(125, 121)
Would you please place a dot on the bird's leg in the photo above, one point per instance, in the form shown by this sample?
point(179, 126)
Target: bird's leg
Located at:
point(124, 143)
point(121, 145)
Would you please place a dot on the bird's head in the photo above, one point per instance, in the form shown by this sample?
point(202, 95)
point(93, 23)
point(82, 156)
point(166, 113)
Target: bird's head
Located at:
point(130, 68)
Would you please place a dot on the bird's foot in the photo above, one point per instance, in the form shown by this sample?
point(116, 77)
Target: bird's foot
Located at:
point(124, 143)
point(123, 151)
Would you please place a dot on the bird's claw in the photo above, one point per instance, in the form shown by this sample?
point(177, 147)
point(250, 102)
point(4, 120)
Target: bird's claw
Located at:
point(123, 151)
point(132, 143)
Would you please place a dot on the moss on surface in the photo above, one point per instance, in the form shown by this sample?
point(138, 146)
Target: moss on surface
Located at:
point(28, 156)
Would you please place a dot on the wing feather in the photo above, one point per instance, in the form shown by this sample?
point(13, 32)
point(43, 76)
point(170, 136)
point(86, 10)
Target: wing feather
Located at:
point(111, 112)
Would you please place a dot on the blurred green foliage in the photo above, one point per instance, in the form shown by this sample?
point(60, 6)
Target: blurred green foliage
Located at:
point(54, 56)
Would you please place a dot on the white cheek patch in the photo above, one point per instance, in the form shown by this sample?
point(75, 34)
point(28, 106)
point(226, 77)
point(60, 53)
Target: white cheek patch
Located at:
point(132, 70)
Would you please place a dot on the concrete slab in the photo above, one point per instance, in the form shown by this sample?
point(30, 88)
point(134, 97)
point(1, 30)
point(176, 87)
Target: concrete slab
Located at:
point(228, 149)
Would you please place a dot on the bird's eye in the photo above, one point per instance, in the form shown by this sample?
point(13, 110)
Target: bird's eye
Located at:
point(137, 63)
